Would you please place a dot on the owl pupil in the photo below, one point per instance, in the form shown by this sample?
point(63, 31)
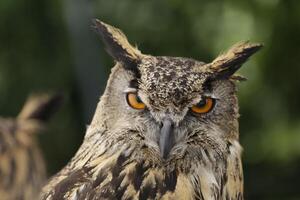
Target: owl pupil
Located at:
point(201, 103)
point(138, 99)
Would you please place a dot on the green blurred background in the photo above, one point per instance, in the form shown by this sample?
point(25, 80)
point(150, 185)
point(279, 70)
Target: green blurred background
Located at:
point(49, 46)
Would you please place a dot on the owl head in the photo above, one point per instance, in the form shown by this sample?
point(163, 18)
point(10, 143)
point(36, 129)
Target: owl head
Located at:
point(19, 134)
point(169, 106)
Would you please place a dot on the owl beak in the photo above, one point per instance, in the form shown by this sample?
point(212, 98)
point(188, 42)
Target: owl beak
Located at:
point(166, 137)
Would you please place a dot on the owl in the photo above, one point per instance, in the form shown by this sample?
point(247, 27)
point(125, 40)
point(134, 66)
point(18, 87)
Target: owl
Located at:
point(22, 168)
point(165, 128)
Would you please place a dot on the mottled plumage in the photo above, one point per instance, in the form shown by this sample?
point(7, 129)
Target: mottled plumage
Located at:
point(22, 168)
point(163, 151)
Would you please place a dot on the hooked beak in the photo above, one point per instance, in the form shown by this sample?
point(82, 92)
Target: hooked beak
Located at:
point(166, 137)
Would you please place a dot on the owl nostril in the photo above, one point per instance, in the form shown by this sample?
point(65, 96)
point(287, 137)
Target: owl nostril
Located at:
point(160, 125)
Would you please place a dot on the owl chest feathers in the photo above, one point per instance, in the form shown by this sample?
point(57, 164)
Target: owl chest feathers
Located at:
point(124, 175)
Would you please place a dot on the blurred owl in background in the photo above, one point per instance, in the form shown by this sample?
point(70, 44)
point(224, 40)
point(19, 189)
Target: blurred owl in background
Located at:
point(22, 168)
point(165, 128)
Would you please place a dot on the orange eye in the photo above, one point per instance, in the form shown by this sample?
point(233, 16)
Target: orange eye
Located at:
point(134, 101)
point(204, 106)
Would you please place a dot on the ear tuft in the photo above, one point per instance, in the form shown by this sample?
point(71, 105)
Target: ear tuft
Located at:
point(41, 107)
point(117, 45)
point(228, 63)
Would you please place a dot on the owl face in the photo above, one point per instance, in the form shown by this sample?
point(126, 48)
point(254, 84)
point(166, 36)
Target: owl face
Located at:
point(167, 124)
point(174, 106)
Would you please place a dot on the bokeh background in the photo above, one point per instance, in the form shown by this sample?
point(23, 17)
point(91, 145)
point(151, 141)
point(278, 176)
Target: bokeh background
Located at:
point(48, 46)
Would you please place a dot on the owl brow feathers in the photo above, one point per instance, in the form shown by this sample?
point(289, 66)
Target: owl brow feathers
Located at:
point(117, 45)
point(225, 65)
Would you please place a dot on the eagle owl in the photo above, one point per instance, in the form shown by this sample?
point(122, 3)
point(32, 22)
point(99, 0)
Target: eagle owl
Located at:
point(22, 168)
point(165, 128)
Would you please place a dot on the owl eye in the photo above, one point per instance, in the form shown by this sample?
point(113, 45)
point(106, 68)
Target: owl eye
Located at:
point(204, 106)
point(134, 101)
